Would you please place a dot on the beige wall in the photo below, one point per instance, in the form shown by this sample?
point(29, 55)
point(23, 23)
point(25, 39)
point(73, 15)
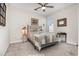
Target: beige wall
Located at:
point(71, 13)
point(78, 24)
point(18, 19)
point(4, 37)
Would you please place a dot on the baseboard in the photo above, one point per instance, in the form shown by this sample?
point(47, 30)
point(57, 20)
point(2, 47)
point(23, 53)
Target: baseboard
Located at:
point(72, 43)
point(8, 46)
point(16, 41)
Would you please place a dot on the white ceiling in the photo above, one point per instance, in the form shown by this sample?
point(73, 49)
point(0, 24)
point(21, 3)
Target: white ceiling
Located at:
point(31, 6)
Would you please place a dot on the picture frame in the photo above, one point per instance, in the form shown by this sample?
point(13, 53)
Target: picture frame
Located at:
point(34, 21)
point(2, 14)
point(62, 22)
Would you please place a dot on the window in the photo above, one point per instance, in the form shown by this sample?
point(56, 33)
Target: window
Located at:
point(51, 28)
point(50, 24)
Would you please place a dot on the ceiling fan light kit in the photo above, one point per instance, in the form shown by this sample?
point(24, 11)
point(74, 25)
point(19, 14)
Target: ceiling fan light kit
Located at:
point(43, 6)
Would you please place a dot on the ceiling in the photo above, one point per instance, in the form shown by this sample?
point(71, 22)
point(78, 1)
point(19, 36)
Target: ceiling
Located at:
point(31, 6)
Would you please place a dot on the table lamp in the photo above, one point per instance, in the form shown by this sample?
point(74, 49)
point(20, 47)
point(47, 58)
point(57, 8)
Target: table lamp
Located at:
point(24, 34)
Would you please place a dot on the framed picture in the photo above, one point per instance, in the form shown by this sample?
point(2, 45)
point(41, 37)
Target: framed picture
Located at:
point(34, 21)
point(62, 22)
point(2, 14)
point(4, 7)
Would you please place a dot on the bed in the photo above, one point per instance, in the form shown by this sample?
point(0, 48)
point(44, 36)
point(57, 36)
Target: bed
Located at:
point(40, 39)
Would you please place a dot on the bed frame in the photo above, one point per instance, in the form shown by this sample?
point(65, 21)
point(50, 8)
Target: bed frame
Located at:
point(43, 45)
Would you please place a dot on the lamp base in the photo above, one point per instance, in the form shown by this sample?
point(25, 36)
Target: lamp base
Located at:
point(24, 38)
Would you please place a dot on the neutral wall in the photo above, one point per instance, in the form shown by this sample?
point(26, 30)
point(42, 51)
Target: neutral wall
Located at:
point(78, 24)
point(71, 13)
point(19, 19)
point(4, 38)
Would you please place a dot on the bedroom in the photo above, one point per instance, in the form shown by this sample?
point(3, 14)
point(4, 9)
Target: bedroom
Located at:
point(19, 15)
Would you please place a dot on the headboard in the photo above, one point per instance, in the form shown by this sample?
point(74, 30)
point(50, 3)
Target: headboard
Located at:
point(34, 28)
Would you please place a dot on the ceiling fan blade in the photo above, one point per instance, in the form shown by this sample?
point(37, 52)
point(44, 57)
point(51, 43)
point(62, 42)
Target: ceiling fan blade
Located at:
point(50, 6)
point(37, 8)
point(45, 4)
point(40, 4)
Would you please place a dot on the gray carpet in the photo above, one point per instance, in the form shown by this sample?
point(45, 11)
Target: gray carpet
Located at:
point(26, 49)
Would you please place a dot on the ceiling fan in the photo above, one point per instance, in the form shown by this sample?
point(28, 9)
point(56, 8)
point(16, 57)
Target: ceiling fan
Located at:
point(43, 6)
